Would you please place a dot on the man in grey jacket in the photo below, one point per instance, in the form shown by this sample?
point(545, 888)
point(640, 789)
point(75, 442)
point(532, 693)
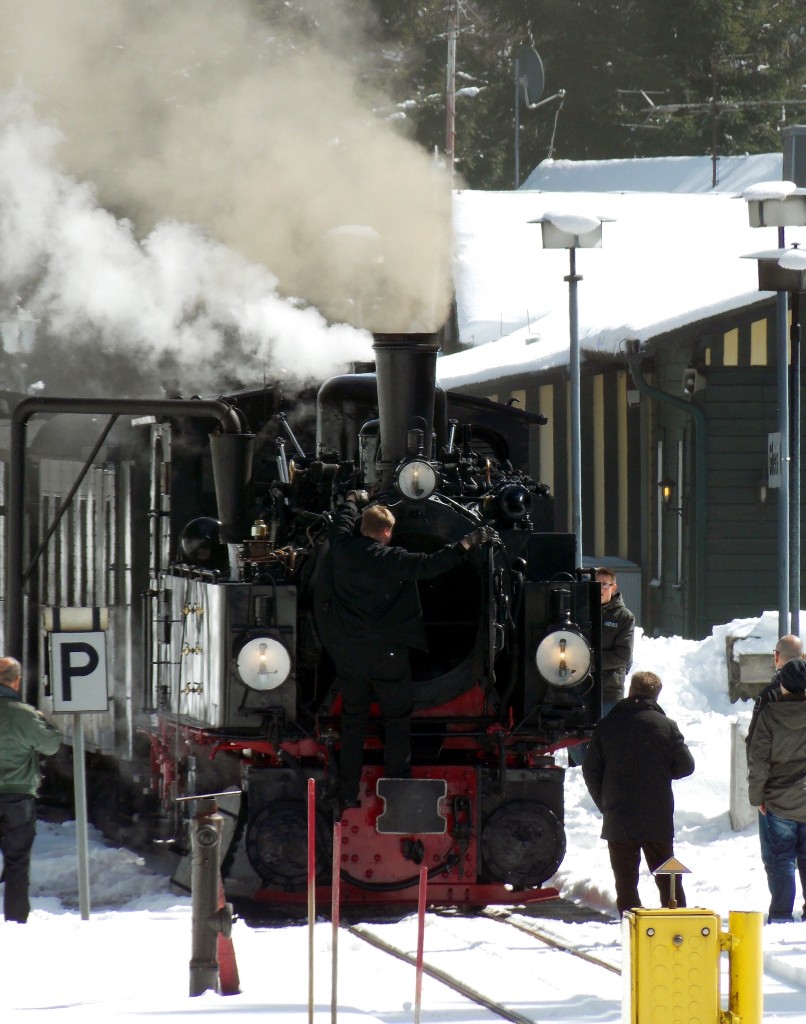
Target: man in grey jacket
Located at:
point(24, 735)
point(776, 772)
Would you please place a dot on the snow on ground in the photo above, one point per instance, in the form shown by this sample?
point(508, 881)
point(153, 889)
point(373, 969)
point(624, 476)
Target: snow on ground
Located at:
point(130, 961)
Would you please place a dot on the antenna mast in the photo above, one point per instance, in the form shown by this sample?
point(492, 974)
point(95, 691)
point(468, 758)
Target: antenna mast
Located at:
point(450, 89)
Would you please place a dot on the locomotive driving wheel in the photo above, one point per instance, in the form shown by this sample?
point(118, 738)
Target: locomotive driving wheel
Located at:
point(522, 843)
point(277, 844)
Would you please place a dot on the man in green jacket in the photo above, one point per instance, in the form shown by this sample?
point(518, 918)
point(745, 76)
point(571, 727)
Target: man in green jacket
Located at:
point(24, 735)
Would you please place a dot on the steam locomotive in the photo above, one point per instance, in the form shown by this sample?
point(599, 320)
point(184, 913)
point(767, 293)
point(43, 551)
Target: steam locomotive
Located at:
point(217, 512)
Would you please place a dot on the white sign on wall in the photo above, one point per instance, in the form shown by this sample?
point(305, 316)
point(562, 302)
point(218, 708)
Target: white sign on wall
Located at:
point(774, 467)
point(78, 671)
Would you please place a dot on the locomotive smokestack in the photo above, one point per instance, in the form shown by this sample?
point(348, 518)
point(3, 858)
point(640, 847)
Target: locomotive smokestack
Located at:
point(232, 474)
point(406, 367)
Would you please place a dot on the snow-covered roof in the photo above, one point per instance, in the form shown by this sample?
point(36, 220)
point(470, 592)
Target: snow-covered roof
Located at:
point(667, 260)
point(688, 174)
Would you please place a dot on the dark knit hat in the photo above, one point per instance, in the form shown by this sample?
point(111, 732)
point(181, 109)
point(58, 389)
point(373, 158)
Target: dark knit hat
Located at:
point(792, 676)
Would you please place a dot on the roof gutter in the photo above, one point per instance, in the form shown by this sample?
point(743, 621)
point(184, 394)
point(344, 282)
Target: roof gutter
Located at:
point(632, 348)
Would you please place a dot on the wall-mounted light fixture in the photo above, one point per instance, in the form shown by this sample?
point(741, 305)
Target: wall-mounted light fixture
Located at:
point(667, 487)
point(693, 381)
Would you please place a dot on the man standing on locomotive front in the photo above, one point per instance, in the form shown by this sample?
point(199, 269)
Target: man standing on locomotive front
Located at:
point(376, 619)
point(24, 735)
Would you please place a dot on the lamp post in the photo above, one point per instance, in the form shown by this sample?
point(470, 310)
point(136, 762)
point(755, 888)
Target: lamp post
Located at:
point(783, 270)
point(572, 232)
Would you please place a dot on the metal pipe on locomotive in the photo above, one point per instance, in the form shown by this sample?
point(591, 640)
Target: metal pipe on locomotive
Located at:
point(237, 685)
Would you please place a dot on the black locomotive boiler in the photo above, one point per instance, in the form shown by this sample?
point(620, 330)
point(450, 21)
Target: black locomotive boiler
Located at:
point(217, 513)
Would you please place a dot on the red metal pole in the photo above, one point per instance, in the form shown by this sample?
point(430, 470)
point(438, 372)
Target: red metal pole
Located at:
point(335, 898)
point(418, 991)
point(311, 889)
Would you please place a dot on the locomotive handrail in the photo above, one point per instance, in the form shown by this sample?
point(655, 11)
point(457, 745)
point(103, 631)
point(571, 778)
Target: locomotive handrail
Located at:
point(173, 407)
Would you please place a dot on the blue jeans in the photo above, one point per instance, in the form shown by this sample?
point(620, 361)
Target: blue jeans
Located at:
point(764, 843)
point(787, 847)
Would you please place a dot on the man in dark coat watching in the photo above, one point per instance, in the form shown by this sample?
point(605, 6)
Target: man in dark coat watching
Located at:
point(776, 775)
point(635, 753)
point(24, 735)
point(376, 618)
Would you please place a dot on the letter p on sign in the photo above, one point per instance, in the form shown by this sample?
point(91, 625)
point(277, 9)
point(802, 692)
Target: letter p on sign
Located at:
point(78, 671)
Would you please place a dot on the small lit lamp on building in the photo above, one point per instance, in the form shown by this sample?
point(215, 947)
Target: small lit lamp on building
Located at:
point(667, 486)
point(573, 231)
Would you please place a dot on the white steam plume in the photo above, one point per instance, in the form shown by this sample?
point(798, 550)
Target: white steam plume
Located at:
point(93, 286)
point(201, 112)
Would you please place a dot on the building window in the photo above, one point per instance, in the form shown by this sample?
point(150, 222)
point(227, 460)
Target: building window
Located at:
point(758, 343)
point(730, 348)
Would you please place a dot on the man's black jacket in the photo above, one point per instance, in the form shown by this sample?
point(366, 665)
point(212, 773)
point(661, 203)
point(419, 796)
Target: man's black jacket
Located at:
point(618, 628)
point(373, 597)
point(634, 754)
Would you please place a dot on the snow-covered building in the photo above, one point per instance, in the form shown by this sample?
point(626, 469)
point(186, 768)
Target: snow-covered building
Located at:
point(678, 353)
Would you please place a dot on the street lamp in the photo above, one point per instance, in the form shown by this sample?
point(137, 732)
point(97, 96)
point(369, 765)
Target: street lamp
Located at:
point(572, 232)
point(783, 270)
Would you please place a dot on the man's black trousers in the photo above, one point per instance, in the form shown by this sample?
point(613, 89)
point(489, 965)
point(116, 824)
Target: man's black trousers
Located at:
point(383, 674)
point(17, 830)
point(625, 859)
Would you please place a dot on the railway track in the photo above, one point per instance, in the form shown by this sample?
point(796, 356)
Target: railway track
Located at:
point(460, 987)
point(507, 917)
point(453, 978)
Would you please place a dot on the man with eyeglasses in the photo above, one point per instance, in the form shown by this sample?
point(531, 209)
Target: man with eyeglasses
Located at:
point(787, 649)
point(618, 629)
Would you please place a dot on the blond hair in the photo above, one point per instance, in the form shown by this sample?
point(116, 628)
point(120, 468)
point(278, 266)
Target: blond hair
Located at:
point(375, 519)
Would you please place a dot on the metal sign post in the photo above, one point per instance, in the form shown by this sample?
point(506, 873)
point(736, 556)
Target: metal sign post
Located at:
point(79, 686)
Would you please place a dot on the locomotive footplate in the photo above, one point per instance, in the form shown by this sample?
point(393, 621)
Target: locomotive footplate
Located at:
point(411, 806)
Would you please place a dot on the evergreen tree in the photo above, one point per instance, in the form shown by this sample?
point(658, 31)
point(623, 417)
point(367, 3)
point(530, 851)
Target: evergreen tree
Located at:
point(719, 73)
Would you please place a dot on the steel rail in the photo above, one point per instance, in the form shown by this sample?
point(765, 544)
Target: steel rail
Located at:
point(434, 972)
point(505, 917)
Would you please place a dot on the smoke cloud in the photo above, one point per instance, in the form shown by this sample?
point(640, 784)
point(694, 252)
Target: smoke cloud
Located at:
point(186, 176)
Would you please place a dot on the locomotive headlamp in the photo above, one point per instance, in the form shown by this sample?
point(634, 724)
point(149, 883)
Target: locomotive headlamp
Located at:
point(263, 663)
point(563, 657)
point(416, 480)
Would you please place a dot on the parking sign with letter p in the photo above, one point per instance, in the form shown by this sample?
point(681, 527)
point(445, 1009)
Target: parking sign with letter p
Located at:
point(78, 671)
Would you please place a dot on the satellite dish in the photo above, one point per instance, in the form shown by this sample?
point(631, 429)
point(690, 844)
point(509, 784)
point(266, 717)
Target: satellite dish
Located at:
point(531, 80)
